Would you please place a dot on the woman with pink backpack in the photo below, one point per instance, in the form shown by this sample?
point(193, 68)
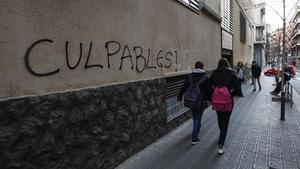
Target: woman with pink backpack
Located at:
point(225, 86)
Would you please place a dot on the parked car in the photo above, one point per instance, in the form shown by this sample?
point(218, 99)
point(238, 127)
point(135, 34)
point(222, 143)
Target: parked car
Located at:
point(273, 71)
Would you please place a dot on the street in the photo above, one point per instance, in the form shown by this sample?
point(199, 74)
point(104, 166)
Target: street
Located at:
point(295, 81)
point(101, 84)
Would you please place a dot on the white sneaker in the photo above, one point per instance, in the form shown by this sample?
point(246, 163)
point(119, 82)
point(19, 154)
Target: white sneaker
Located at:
point(221, 149)
point(195, 141)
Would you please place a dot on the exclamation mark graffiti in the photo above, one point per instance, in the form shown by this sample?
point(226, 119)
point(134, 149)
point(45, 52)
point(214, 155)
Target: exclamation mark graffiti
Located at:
point(176, 57)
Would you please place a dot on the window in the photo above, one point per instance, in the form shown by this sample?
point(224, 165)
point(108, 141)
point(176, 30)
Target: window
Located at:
point(174, 108)
point(242, 28)
point(193, 4)
point(250, 34)
point(262, 11)
point(227, 15)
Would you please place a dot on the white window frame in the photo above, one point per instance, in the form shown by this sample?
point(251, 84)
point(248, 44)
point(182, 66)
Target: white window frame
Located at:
point(192, 4)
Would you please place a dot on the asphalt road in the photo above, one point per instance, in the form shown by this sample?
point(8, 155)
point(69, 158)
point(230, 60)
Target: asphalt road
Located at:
point(295, 82)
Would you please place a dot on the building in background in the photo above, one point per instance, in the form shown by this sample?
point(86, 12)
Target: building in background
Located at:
point(268, 43)
point(289, 39)
point(260, 31)
point(295, 37)
point(276, 45)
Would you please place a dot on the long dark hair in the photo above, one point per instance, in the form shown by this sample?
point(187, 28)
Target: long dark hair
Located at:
point(240, 64)
point(223, 63)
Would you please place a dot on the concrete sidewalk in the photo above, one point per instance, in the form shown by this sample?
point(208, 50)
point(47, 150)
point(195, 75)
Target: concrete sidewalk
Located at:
point(256, 139)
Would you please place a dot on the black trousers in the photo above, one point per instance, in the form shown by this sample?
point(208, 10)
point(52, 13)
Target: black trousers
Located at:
point(278, 88)
point(223, 121)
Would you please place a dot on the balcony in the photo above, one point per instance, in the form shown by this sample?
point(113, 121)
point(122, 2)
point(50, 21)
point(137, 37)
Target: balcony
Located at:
point(296, 22)
point(296, 32)
point(295, 45)
point(260, 25)
point(260, 40)
point(295, 14)
point(295, 42)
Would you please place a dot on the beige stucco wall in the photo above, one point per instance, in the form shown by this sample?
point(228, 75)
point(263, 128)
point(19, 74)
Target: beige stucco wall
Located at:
point(214, 5)
point(166, 29)
point(241, 51)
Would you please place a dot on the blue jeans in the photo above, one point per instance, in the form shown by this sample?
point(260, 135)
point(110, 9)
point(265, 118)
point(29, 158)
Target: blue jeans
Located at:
point(197, 116)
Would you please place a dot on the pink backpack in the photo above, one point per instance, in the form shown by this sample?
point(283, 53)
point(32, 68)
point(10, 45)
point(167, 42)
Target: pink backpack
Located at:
point(221, 100)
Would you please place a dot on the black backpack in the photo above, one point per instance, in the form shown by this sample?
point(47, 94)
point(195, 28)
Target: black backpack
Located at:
point(193, 95)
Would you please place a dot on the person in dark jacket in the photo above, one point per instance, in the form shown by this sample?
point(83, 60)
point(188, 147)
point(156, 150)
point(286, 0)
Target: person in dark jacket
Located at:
point(197, 74)
point(287, 77)
point(225, 76)
point(256, 72)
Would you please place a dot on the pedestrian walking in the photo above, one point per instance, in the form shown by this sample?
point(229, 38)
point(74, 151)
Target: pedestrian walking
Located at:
point(225, 85)
point(256, 72)
point(196, 94)
point(240, 72)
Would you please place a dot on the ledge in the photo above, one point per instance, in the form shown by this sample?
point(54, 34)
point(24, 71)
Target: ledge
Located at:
point(207, 10)
point(177, 73)
point(184, 72)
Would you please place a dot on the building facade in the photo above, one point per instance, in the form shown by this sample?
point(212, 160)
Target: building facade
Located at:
point(227, 29)
point(260, 32)
point(268, 55)
point(237, 31)
point(244, 32)
point(90, 83)
point(276, 45)
point(295, 37)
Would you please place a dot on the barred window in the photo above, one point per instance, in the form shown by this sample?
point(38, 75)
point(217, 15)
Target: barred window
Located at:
point(174, 108)
point(227, 15)
point(193, 4)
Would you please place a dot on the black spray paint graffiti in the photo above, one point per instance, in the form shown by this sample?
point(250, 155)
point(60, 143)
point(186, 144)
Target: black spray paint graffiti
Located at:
point(138, 59)
point(142, 60)
point(87, 65)
point(27, 55)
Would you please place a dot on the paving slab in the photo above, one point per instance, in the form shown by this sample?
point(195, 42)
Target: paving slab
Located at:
point(257, 138)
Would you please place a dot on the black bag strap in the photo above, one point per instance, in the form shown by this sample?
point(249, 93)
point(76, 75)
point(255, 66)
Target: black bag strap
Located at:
point(226, 82)
point(199, 81)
